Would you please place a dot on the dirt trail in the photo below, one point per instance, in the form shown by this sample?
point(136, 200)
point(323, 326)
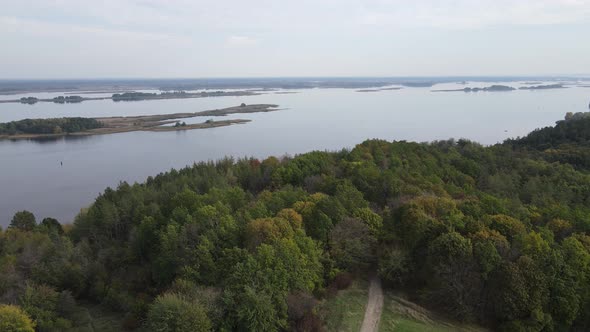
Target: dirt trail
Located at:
point(374, 307)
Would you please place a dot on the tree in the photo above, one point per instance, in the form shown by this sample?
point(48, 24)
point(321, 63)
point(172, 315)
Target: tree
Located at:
point(52, 224)
point(173, 313)
point(41, 303)
point(453, 282)
point(351, 245)
point(257, 312)
point(23, 220)
point(267, 230)
point(372, 219)
point(13, 319)
point(394, 266)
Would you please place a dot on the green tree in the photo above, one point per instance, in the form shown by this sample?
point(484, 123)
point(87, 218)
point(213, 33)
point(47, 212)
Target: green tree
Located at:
point(372, 219)
point(394, 266)
point(453, 281)
point(52, 225)
point(40, 302)
point(173, 313)
point(352, 245)
point(257, 312)
point(23, 220)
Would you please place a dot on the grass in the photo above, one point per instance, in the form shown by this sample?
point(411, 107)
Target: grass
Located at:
point(400, 315)
point(399, 323)
point(92, 318)
point(345, 311)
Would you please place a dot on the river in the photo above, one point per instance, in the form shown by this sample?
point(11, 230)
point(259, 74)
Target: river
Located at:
point(32, 176)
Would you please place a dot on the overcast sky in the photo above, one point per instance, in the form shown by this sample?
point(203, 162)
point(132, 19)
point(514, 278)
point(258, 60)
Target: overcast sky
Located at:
point(253, 38)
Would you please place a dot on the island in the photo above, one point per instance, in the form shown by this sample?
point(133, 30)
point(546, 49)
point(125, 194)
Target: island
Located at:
point(79, 126)
point(135, 96)
point(24, 100)
point(543, 87)
point(491, 88)
point(67, 99)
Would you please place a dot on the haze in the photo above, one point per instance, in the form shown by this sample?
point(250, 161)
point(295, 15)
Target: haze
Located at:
point(258, 38)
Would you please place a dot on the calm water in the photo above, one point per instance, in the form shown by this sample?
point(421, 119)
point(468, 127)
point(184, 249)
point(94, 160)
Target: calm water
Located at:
point(32, 178)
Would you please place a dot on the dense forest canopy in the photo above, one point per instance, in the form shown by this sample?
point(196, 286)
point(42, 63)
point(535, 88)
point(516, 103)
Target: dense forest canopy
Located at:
point(48, 126)
point(567, 142)
point(496, 235)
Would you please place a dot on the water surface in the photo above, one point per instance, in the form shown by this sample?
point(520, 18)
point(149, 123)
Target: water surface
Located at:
point(32, 178)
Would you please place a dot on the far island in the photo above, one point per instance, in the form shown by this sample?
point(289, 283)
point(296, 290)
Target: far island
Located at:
point(543, 87)
point(492, 88)
point(501, 88)
point(79, 126)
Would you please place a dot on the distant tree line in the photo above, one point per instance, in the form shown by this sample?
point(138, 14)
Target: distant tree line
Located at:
point(68, 99)
point(130, 96)
point(48, 126)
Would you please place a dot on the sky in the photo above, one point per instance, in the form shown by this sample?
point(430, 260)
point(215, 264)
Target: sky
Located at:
point(279, 38)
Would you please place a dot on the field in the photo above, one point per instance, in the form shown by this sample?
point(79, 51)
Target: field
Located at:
point(345, 311)
point(400, 315)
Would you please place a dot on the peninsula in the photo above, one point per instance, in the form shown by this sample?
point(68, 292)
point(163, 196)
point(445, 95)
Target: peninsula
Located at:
point(58, 127)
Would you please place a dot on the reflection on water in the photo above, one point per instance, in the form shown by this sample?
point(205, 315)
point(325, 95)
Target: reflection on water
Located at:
point(58, 176)
point(54, 139)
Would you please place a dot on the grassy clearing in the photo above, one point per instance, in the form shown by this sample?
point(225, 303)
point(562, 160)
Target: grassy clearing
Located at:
point(345, 312)
point(400, 315)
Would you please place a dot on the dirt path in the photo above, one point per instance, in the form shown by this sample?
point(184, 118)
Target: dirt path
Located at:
point(374, 307)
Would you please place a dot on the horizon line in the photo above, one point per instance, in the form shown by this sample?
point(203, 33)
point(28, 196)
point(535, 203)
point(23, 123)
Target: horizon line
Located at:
point(298, 77)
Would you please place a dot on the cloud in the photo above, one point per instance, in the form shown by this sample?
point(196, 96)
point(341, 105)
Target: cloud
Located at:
point(463, 14)
point(323, 37)
point(241, 41)
point(193, 16)
point(61, 30)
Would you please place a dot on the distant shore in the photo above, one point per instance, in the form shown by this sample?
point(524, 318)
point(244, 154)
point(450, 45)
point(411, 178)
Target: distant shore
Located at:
point(502, 88)
point(131, 96)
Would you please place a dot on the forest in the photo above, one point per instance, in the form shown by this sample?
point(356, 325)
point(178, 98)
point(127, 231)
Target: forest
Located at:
point(48, 126)
point(495, 235)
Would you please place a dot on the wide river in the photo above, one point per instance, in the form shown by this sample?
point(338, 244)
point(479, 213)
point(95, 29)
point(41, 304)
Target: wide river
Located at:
point(32, 177)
